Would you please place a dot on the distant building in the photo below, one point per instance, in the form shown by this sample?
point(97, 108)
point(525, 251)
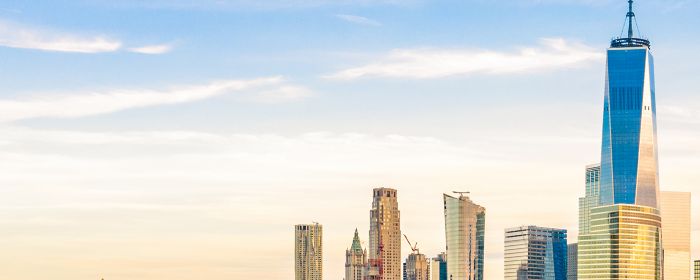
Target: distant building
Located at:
point(416, 267)
point(438, 267)
point(533, 252)
point(590, 199)
point(572, 265)
point(355, 260)
point(308, 252)
point(384, 236)
point(464, 230)
point(675, 218)
point(697, 270)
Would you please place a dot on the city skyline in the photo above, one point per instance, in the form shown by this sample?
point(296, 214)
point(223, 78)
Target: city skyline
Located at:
point(151, 147)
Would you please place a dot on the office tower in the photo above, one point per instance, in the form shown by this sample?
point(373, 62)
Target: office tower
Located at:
point(464, 231)
point(533, 252)
point(675, 215)
point(591, 198)
point(624, 239)
point(438, 267)
point(572, 263)
point(697, 270)
point(308, 252)
point(416, 267)
point(355, 260)
point(384, 236)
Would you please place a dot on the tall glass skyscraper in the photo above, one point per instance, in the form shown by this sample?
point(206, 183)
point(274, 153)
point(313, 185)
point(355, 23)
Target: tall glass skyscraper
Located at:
point(623, 237)
point(464, 231)
point(533, 252)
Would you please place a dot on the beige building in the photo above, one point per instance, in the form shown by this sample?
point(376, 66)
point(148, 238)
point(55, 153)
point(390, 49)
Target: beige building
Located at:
point(675, 219)
point(416, 267)
point(384, 236)
point(308, 252)
point(355, 260)
point(464, 232)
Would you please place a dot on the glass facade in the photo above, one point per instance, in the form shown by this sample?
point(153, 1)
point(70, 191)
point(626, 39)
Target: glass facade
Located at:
point(624, 243)
point(675, 214)
point(591, 199)
point(572, 265)
point(628, 171)
point(533, 252)
point(464, 231)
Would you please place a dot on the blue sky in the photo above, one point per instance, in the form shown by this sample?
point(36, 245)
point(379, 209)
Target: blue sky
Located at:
point(170, 136)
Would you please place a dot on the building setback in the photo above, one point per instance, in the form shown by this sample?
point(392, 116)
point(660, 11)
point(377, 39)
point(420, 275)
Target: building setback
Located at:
point(308, 252)
point(465, 223)
point(533, 252)
point(384, 236)
point(675, 216)
point(355, 260)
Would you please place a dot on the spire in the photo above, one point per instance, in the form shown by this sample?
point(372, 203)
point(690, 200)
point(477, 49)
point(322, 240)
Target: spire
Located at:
point(356, 246)
point(630, 17)
point(630, 41)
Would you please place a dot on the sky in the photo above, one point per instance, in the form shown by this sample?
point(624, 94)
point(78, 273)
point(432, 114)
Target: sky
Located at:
point(184, 139)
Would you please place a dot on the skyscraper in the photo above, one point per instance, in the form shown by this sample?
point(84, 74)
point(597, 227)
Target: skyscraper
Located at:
point(591, 198)
point(438, 268)
point(464, 231)
point(675, 215)
point(355, 260)
point(416, 267)
point(533, 252)
point(572, 263)
point(308, 252)
point(384, 236)
point(697, 270)
point(623, 238)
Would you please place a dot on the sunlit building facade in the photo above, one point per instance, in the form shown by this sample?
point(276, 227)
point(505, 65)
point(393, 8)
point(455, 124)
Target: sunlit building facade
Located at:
point(355, 260)
point(416, 267)
point(465, 223)
point(675, 214)
point(438, 267)
point(308, 252)
point(591, 198)
point(697, 270)
point(533, 252)
point(384, 236)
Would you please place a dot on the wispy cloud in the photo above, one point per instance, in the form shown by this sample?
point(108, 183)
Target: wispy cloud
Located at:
point(95, 103)
point(19, 36)
point(359, 20)
point(152, 49)
point(429, 63)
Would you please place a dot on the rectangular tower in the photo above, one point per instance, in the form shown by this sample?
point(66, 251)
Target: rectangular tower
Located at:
point(533, 252)
point(697, 270)
point(308, 252)
point(384, 236)
point(438, 268)
point(572, 265)
point(675, 215)
point(416, 267)
point(465, 223)
point(591, 198)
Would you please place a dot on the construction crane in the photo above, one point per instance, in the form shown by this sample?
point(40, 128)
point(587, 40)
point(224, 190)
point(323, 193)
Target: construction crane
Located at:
point(461, 194)
point(414, 247)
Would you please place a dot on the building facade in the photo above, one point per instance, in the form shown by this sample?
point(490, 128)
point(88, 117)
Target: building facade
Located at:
point(465, 224)
point(416, 267)
point(697, 270)
point(591, 198)
point(675, 215)
point(384, 236)
point(533, 252)
point(355, 260)
point(308, 252)
point(572, 263)
point(438, 267)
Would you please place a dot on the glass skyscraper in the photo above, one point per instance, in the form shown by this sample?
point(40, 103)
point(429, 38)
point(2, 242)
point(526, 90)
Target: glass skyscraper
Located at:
point(590, 200)
point(464, 231)
point(623, 237)
point(533, 252)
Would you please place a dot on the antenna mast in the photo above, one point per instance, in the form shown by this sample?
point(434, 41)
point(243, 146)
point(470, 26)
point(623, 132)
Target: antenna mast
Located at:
point(630, 16)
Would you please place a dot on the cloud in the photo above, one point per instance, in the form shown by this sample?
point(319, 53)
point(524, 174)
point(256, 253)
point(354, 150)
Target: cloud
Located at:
point(152, 49)
point(433, 63)
point(94, 103)
point(359, 20)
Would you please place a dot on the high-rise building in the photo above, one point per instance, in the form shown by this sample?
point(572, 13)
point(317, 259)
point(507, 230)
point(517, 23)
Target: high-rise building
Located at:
point(308, 252)
point(533, 252)
point(675, 216)
point(572, 263)
point(465, 224)
point(623, 240)
point(591, 198)
point(416, 267)
point(438, 267)
point(355, 260)
point(697, 270)
point(384, 236)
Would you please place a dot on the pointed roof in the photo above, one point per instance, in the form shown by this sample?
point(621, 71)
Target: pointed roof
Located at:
point(356, 246)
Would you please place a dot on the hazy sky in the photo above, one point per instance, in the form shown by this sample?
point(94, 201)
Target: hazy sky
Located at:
point(183, 139)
